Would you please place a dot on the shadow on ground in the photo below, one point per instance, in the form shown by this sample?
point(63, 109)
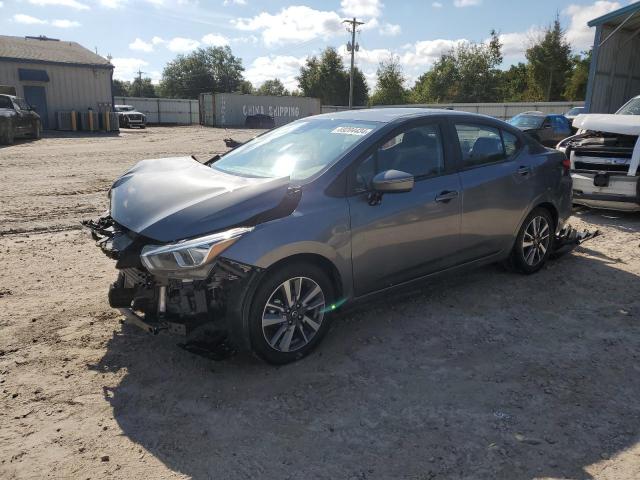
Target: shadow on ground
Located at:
point(486, 375)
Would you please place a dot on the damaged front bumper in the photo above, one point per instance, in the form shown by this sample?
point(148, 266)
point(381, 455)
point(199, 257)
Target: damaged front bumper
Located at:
point(181, 306)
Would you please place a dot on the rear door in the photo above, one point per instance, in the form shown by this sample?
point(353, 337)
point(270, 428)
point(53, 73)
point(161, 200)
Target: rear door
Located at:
point(405, 235)
point(495, 173)
point(36, 97)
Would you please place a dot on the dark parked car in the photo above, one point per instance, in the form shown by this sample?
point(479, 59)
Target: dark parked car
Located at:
point(17, 119)
point(259, 120)
point(129, 117)
point(546, 129)
point(267, 241)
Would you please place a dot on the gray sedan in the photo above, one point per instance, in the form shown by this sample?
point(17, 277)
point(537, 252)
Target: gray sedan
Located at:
point(263, 244)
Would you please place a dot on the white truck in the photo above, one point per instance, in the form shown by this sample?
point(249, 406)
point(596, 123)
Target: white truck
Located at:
point(605, 157)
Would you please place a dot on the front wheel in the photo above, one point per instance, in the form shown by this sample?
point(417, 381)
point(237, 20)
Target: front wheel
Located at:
point(6, 137)
point(289, 312)
point(534, 242)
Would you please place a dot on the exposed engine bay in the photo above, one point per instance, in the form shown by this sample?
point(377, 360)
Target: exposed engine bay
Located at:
point(604, 164)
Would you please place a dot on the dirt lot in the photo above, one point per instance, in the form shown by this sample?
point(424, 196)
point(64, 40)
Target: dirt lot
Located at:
point(484, 375)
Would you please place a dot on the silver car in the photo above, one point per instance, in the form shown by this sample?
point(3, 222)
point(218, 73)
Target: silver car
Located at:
point(263, 244)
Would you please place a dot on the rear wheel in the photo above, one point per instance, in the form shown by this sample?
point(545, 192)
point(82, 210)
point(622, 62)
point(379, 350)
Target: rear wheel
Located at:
point(534, 242)
point(289, 312)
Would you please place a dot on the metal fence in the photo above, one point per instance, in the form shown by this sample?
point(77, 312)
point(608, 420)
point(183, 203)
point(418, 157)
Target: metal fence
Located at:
point(175, 111)
point(503, 111)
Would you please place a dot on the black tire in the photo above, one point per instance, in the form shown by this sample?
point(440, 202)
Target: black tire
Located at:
point(7, 137)
point(268, 287)
point(526, 256)
point(36, 131)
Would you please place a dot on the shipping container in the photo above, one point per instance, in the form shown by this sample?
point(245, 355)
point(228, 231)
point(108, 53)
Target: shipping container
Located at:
point(232, 109)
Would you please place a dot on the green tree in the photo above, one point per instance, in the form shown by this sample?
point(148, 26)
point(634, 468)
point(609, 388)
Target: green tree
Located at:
point(550, 63)
point(327, 79)
point(120, 88)
point(515, 84)
point(389, 84)
point(142, 88)
point(211, 69)
point(576, 88)
point(246, 87)
point(272, 87)
point(466, 73)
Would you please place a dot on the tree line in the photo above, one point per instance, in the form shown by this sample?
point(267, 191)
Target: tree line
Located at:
point(469, 72)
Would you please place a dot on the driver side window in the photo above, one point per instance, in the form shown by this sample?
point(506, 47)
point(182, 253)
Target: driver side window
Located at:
point(417, 151)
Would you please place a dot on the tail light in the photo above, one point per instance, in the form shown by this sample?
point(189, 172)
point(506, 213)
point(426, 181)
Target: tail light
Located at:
point(566, 165)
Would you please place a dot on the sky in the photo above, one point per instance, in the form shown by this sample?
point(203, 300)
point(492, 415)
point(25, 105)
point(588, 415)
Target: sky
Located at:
point(273, 38)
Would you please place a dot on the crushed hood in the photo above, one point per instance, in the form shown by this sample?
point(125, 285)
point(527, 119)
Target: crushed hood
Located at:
point(172, 199)
point(610, 123)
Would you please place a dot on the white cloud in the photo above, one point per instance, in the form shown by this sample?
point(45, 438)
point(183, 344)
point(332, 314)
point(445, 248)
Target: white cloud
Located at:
point(215, 40)
point(361, 8)
point(140, 45)
point(292, 24)
point(516, 43)
point(390, 30)
point(426, 52)
point(182, 45)
point(578, 33)
point(234, 2)
point(65, 23)
point(466, 3)
point(60, 3)
point(284, 67)
point(112, 3)
point(436, 4)
point(127, 68)
point(157, 40)
point(28, 19)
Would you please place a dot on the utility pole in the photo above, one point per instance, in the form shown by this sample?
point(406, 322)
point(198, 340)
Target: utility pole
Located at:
point(140, 82)
point(352, 47)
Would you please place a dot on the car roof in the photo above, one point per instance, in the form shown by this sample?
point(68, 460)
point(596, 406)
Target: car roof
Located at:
point(387, 115)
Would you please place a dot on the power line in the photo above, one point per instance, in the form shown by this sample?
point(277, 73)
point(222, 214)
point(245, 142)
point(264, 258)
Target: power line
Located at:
point(352, 47)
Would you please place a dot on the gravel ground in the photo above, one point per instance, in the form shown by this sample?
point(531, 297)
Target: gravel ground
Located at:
point(484, 375)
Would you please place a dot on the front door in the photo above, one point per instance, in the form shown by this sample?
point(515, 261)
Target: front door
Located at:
point(37, 98)
point(496, 188)
point(405, 235)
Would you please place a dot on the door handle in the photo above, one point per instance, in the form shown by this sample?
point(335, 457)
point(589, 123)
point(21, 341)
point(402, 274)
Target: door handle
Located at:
point(524, 170)
point(446, 196)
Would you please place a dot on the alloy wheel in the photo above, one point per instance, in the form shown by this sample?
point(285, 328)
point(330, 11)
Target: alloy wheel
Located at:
point(536, 240)
point(293, 314)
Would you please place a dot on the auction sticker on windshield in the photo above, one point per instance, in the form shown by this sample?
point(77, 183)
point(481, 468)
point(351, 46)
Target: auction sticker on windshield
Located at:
point(361, 132)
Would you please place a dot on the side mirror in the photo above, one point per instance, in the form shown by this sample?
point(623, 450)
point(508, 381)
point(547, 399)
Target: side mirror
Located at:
point(392, 181)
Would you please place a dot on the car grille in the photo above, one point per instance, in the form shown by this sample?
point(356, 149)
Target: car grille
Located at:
point(599, 167)
point(134, 277)
point(134, 117)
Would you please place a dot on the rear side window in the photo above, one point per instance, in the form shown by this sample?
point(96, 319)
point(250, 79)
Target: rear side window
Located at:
point(511, 143)
point(480, 144)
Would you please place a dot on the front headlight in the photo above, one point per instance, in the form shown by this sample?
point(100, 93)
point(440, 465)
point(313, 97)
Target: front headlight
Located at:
point(189, 258)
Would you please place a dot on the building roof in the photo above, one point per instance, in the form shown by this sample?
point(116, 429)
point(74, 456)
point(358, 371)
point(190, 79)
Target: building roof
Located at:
point(47, 50)
point(618, 16)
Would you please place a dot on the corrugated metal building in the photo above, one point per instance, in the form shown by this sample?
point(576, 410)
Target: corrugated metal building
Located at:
point(614, 76)
point(54, 75)
point(232, 109)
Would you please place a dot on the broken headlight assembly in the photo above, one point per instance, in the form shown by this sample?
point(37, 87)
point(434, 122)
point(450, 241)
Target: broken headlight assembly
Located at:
point(189, 259)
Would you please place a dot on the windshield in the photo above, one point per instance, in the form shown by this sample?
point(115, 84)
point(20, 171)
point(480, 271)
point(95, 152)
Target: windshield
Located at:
point(575, 111)
point(22, 104)
point(298, 150)
point(632, 107)
point(124, 108)
point(527, 121)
